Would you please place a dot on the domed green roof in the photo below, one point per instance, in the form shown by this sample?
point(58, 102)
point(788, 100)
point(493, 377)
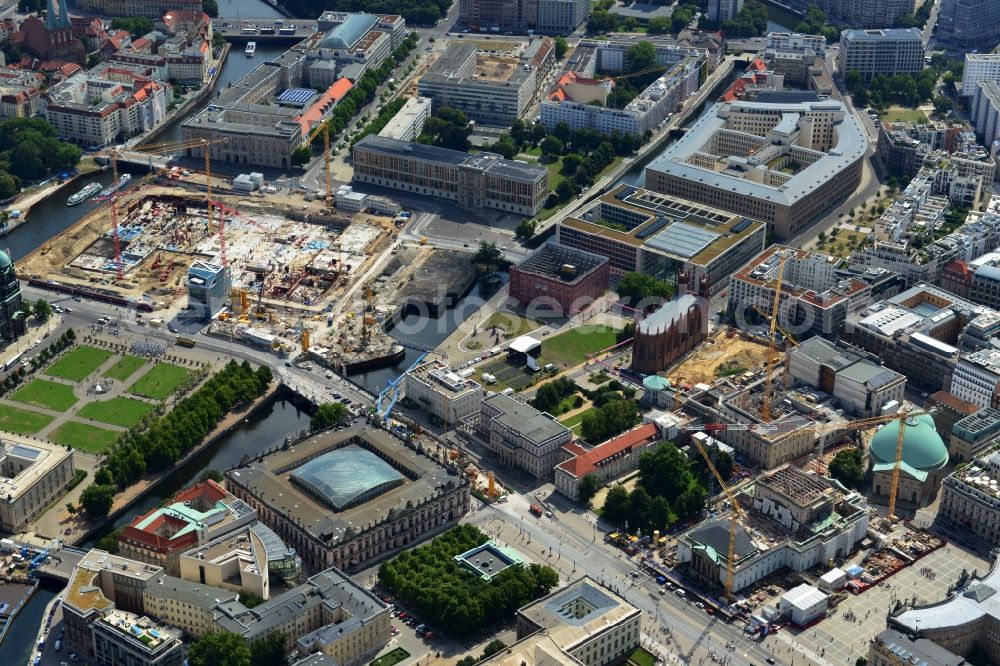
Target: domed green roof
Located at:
point(4, 260)
point(923, 448)
point(656, 383)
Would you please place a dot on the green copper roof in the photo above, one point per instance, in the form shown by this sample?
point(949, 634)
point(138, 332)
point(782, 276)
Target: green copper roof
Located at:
point(923, 449)
point(4, 260)
point(656, 383)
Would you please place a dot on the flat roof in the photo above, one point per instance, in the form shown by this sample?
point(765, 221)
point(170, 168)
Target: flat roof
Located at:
point(528, 422)
point(551, 260)
point(486, 162)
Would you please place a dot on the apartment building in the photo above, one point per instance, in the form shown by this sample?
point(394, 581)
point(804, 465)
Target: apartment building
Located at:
point(973, 434)
point(691, 246)
point(970, 498)
point(482, 180)
point(553, 17)
point(818, 290)
point(33, 474)
point(20, 93)
point(572, 100)
point(795, 42)
point(490, 89)
point(561, 17)
point(121, 637)
point(968, 24)
point(522, 436)
point(977, 378)
point(784, 159)
point(443, 393)
point(407, 124)
point(979, 67)
point(106, 104)
point(153, 10)
point(885, 51)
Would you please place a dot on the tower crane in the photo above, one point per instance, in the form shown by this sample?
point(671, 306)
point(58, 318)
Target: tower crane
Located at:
point(738, 512)
point(324, 129)
point(772, 347)
point(119, 272)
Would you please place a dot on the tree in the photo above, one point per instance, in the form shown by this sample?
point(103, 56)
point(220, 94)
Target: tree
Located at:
point(97, 500)
point(659, 25)
point(491, 648)
point(659, 513)
point(616, 503)
point(551, 147)
point(589, 485)
point(639, 506)
point(942, 105)
point(220, 649)
point(41, 309)
point(210, 475)
point(9, 185)
point(846, 467)
point(488, 257)
point(218, 41)
point(570, 163)
point(641, 56)
point(136, 26)
point(665, 472)
point(301, 156)
point(634, 288)
point(328, 415)
point(211, 7)
point(467, 661)
point(525, 230)
point(505, 147)
point(109, 542)
point(270, 651)
point(608, 420)
point(561, 47)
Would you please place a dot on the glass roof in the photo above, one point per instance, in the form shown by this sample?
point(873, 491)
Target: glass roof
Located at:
point(347, 476)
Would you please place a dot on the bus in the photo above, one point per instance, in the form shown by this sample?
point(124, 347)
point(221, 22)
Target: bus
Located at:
point(12, 362)
point(185, 342)
point(286, 31)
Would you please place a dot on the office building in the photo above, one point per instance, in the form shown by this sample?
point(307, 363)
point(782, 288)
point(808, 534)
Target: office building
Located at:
point(921, 468)
point(723, 10)
point(106, 104)
point(798, 520)
point(795, 42)
point(561, 17)
point(612, 55)
point(490, 89)
point(691, 246)
point(971, 435)
point(967, 617)
point(607, 461)
point(125, 638)
point(920, 332)
point(442, 393)
point(907, 147)
point(409, 121)
point(784, 159)
point(522, 436)
point(33, 475)
point(209, 288)
point(13, 318)
point(583, 623)
point(984, 287)
point(153, 10)
point(864, 388)
point(985, 111)
point(970, 497)
point(968, 24)
point(481, 180)
point(559, 279)
point(857, 13)
point(818, 290)
point(977, 377)
point(979, 67)
point(674, 329)
point(886, 52)
point(350, 497)
point(581, 103)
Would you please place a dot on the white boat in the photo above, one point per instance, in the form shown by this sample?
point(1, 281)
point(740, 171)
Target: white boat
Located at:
point(84, 194)
point(251, 49)
point(114, 187)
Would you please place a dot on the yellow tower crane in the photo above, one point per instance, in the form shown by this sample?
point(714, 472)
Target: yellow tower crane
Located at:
point(738, 512)
point(324, 129)
point(772, 347)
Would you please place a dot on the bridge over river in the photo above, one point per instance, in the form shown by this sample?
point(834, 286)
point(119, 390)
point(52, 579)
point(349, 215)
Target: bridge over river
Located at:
point(264, 30)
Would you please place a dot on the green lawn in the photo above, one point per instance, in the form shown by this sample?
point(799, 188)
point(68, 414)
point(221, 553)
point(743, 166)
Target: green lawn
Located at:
point(22, 421)
point(573, 422)
point(160, 381)
point(555, 178)
point(571, 348)
point(124, 368)
point(390, 658)
point(78, 363)
point(903, 114)
point(43, 393)
point(641, 657)
point(84, 436)
point(125, 412)
point(512, 324)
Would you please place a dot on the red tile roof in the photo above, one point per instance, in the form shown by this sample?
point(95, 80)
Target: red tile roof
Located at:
point(953, 401)
point(586, 463)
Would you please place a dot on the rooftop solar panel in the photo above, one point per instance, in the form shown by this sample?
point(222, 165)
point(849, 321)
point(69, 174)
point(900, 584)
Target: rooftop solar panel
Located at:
point(296, 95)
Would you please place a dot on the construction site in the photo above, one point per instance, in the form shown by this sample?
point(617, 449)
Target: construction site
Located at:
point(725, 353)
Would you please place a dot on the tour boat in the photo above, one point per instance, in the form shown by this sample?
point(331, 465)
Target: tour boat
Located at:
point(251, 49)
point(114, 187)
point(84, 194)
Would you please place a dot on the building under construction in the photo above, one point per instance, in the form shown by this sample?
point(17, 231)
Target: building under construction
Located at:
point(797, 520)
